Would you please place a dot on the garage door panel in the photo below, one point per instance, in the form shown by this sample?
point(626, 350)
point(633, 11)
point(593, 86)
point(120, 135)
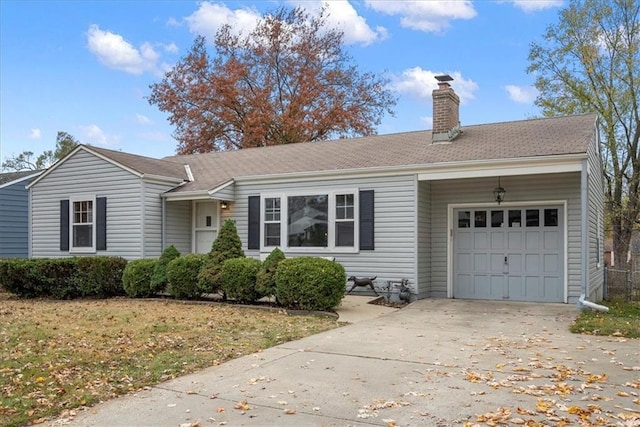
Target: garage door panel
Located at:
point(532, 240)
point(514, 240)
point(481, 263)
point(551, 263)
point(518, 255)
point(532, 263)
point(550, 240)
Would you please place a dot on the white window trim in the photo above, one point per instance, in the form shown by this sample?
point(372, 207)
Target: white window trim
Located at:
point(83, 198)
point(284, 214)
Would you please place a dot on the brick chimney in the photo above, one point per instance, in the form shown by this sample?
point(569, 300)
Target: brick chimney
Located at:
point(446, 107)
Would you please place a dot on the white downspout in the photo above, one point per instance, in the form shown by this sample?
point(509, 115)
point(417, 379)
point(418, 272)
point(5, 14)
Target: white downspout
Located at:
point(584, 250)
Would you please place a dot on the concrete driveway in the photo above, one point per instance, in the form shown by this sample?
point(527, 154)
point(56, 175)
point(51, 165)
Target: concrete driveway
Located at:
point(433, 363)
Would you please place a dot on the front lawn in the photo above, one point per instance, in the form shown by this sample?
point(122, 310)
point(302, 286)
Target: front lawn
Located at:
point(59, 355)
point(622, 319)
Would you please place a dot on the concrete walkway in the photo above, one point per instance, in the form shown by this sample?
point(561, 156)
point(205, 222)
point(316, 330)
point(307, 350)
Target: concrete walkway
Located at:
point(432, 363)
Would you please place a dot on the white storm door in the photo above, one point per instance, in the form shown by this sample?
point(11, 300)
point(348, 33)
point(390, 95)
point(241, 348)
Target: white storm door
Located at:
point(205, 225)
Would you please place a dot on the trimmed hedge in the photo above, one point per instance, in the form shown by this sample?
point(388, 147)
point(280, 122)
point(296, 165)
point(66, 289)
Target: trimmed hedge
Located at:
point(136, 278)
point(266, 277)
point(310, 283)
point(159, 280)
point(182, 274)
point(100, 276)
point(239, 279)
point(63, 278)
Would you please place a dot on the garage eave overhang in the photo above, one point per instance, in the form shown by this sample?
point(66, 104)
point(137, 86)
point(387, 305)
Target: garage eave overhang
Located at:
point(506, 167)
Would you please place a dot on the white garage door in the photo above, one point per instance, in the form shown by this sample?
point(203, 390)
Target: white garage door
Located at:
point(509, 254)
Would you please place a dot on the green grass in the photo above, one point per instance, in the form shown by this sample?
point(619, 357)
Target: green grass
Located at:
point(622, 320)
point(59, 355)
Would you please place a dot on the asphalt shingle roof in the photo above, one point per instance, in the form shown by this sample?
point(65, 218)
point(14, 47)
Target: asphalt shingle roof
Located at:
point(12, 176)
point(144, 165)
point(496, 141)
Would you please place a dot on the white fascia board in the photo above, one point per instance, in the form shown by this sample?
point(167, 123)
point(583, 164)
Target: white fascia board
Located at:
point(24, 178)
point(534, 166)
point(467, 169)
point(88, 150)
point(221, 187)
point(187, 195)
point(56, 164)
point(147, 177)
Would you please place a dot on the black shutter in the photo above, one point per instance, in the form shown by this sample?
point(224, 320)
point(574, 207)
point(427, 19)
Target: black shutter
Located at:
point(366, 220)
point(253, 240)
point(64, 225)
point(101, 223)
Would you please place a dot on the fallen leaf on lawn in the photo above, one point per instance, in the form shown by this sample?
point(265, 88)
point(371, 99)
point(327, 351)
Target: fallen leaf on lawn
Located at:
point(593, 378)
point(623, 394)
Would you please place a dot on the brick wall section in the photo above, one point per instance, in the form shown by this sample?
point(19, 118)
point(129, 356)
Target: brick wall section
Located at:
point(445, 109)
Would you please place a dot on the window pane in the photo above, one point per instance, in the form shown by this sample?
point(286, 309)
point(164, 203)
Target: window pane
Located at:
point(497, 218)
point(272, 234)
point(82, 236)
point(344, 233)
point(533, 218)
point(464, 219)
point(307, 222)
point(480, 219)
point(344, 206)
point(272, 209)
point(515, 218)
point(551, 217)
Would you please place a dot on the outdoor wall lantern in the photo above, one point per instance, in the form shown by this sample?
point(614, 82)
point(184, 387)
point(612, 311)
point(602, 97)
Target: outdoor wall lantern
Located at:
point(224, 205)
point(499, 192)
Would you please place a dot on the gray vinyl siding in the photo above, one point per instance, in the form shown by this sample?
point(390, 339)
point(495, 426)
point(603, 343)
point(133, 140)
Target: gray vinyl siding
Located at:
point(424, 239)
point(178, 225)
point(556, 187)
point(227, 193)
point(394, 256)
point(14, 214)
point(152, 242)
point(85, 174)
point(596, 222)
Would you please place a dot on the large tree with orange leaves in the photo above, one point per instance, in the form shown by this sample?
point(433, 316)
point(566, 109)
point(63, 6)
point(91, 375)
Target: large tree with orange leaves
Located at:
point(289, 80)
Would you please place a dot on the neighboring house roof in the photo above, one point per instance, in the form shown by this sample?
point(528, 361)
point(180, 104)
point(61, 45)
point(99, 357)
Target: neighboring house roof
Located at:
point(496, 141)
point(10, 178)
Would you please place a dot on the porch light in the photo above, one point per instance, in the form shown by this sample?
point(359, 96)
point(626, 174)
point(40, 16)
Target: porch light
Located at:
point(224, 205)
point(499, 192)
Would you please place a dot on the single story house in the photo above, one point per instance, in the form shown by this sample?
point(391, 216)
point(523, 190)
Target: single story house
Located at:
point(14, 213)
point(501, 211)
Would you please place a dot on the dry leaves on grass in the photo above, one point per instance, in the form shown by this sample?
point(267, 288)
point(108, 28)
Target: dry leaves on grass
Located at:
point(59, 355)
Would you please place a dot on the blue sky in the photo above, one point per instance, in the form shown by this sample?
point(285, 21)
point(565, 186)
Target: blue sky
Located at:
point(84, 67)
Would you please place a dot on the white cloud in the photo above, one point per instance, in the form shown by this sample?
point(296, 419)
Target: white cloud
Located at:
point(117, 53)
point(420, 84)
point(143, 120)
point(522, 94)
point(92, 134)
point(536, 5)
point(171, 48)
point(35, 133)
point(429, 16)
point(343, 16)
point(210, 17)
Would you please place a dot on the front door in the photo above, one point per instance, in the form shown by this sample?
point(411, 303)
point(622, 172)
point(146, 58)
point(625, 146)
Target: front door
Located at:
point(511, 253)
point(206, 225)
